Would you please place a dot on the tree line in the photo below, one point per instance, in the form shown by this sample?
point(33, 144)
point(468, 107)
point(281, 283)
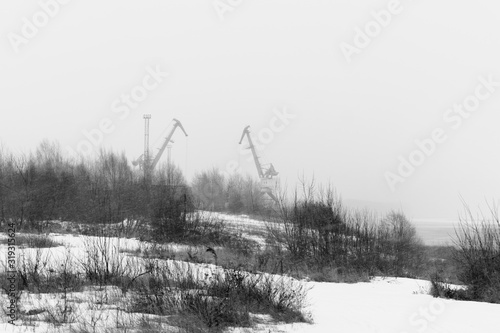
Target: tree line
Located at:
point(46, 185)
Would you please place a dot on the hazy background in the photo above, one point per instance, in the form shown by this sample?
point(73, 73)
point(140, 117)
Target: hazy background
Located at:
point(352, 121)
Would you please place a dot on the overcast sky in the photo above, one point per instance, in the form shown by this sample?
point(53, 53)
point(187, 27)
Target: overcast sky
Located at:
point(338, 89)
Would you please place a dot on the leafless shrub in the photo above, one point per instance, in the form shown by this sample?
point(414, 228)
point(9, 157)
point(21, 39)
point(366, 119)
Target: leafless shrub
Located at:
point(103, 263)
point(478, 255)
point(218, 299)
point(319, 234)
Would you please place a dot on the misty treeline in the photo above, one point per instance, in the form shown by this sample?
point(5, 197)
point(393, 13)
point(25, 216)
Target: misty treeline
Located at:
point(213, 190)
point(47, 185)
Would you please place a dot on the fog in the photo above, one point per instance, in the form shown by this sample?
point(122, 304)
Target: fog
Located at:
point(394, 103)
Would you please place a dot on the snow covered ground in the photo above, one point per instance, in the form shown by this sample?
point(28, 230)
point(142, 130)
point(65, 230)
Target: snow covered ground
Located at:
point(250, 228)
point(383, 305)
point(387, 305)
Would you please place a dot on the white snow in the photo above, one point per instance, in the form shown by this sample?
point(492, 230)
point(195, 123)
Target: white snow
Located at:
point(250, 228)
point(384, 305)
point(387, 305)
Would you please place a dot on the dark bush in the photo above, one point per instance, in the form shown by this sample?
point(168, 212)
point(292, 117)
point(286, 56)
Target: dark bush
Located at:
point(320, 235)
point(226, 298)
point(478, 256)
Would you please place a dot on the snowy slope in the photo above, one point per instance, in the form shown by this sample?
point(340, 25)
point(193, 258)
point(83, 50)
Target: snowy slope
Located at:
point(384, 305)
point(389, 305)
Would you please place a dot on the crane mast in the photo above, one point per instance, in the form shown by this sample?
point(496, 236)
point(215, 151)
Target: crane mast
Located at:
point(147, 163)
point(167, 141)
point(246, 132)
point(267, 180)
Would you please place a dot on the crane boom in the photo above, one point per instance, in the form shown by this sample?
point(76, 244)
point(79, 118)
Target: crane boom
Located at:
point(267, 180)
point(246, 132)
point(167, 140)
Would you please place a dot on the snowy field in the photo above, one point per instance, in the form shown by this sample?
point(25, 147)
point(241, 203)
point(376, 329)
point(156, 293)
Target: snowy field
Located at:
point(389, 305)
point(383, 305)
point(250, 228)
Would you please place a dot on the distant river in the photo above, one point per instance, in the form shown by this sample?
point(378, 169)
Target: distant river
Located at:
point(436, 231)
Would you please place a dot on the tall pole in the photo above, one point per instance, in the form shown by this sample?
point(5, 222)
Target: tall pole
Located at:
point(147, 158)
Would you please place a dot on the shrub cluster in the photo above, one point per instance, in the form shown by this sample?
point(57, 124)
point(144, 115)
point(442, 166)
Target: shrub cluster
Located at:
point(219, 299)
point(477, 257)
point(319, 233)
point(38, 274)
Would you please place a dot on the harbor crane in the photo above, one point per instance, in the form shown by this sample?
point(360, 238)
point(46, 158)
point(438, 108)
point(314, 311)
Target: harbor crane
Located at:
point(144, 161)
point(266, 175)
